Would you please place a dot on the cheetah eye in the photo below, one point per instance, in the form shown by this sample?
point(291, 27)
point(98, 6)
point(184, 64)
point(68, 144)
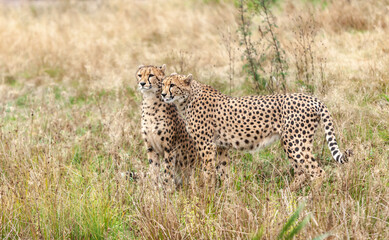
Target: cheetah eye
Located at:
point(140, 75)
point(151, 75)
point(172, 85)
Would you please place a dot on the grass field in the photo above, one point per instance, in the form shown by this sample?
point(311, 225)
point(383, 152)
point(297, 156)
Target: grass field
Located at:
point(70, 119)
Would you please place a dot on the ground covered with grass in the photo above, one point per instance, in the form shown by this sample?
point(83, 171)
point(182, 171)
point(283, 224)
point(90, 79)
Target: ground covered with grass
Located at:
point(70, 119)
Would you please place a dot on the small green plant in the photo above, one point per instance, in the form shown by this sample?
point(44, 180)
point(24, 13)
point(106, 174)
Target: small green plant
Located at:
point(253, 63)
point(55, 72)
point(385, 97)
point(309, 66)
point(279, 65)
point(22, 101)
point(292, 227)
point(265, 60)
point(228, 42)
point(10, 80)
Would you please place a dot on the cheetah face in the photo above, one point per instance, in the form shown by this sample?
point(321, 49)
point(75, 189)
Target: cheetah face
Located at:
point(176, 88)
point(149, 78)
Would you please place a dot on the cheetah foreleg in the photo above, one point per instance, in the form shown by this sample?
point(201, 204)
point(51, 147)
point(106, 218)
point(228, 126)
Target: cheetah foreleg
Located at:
point(169, 171)
point(154, 162)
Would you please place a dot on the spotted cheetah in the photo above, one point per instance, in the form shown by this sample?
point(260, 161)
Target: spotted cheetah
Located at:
point(164, 132)
point(251, 123)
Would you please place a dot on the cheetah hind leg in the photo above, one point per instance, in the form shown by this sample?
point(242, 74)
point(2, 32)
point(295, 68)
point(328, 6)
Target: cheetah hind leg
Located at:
point(304, 174)
point(299, 180)
point(305, 168)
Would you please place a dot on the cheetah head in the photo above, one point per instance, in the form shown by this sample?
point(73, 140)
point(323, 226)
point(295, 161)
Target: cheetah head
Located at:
point(176, 88)
point(149, 78)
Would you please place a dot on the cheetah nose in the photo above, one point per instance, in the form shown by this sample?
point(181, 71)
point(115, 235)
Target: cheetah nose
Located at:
point(142, 84)
point(163, 94)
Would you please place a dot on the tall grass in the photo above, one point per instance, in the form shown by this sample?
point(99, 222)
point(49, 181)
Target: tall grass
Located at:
point(69, 124)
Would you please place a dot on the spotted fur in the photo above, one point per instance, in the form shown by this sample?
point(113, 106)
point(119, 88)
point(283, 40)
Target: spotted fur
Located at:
point(164, 131)
point(251, 123)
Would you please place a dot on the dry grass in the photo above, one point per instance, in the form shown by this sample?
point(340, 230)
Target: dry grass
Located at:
point(70, 122)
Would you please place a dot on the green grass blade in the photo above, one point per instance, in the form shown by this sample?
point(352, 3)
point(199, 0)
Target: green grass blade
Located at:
point(298, 228)
point(291, 221)
point(322, 237)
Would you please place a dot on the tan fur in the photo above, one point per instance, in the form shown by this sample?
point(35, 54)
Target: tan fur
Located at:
point(164, 132)
point(248, 123)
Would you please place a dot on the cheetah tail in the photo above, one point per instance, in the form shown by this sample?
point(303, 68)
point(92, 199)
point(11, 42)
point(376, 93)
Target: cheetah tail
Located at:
point(330, 135)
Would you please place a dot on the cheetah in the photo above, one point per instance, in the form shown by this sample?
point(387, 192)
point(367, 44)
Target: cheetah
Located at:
point(251, 123)
point(164, 132)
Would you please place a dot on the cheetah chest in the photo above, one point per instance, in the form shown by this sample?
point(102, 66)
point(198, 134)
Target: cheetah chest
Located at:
point(153, 134)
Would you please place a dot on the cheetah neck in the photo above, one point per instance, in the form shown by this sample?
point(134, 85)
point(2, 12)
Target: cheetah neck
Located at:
point(184, 107)
point(151, 97)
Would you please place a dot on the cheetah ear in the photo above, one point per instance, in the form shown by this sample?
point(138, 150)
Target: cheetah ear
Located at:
point(163, 68)
point(140, 66)
point(188, 79)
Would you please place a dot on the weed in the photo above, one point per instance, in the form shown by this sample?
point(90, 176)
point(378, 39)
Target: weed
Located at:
point(266, 51)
